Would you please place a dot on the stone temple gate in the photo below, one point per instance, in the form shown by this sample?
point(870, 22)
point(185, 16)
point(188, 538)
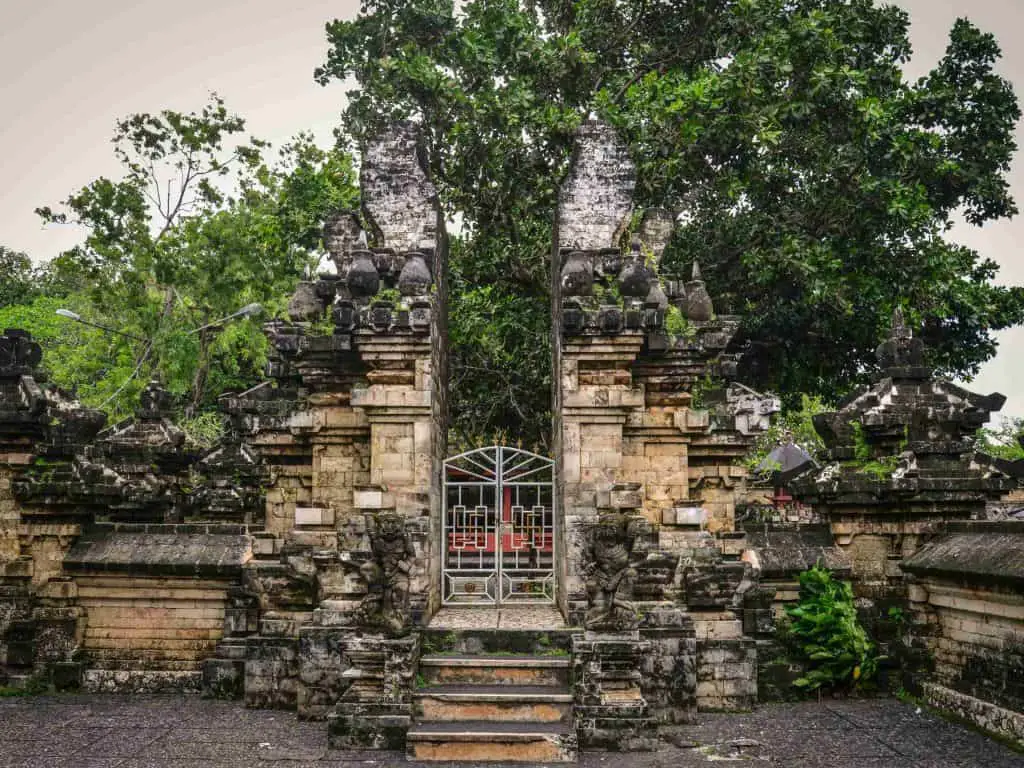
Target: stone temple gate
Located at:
point(330, 557)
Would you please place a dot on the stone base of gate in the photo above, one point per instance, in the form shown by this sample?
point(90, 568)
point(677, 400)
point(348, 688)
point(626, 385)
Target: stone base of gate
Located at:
point(376, 710)
point(634, 688)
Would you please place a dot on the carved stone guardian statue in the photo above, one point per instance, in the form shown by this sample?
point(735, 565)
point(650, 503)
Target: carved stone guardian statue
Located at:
point(386, 604)
point(609, 572)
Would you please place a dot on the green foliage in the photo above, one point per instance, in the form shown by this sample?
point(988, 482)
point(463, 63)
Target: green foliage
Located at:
point(1004, 441)
point(19, 278)
point(500, 351)
point(819, 185)
point(825, 629)
point(203, 430)
point(200, 224)
point(798, 422)
point(870, 460)
point(677, 325)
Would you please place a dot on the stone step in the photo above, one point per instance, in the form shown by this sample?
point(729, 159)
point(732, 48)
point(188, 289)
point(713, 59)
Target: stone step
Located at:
point(496, 670)
point(487, 741)
point(472, 642)
point(494, 703)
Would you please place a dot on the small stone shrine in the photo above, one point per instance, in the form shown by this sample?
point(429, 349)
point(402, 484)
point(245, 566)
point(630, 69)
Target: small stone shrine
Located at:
point(902, 461)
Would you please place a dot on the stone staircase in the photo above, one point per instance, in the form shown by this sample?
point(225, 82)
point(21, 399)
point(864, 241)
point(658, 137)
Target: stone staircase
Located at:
point(488, 695)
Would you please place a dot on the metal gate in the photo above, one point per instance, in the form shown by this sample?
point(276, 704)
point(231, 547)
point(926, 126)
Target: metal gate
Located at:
point(499, 528)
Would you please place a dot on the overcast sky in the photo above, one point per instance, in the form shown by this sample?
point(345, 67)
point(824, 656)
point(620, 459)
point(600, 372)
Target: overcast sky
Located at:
point(70, 68)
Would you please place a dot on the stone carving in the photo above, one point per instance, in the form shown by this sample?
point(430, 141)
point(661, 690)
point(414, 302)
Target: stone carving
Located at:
point(595, 200)
point(901, 349)
point(656, 230)
point(399, 199)
point(18, 353)
point(304, 304)
point(342, 232)
point(609, 572)
point(386, 604)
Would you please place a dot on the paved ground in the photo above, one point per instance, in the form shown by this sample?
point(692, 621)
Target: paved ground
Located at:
point(94, 731)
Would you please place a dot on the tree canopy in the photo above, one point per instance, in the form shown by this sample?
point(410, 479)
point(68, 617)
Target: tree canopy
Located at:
point(201, 223)
point(814, 184)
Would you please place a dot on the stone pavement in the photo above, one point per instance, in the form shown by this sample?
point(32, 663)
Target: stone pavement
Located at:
point(106, 731)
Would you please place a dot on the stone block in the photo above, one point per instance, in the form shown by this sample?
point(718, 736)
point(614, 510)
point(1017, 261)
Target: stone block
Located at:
point(223, 678)
point(314, 516)
point(367, 498)
point(693, 517)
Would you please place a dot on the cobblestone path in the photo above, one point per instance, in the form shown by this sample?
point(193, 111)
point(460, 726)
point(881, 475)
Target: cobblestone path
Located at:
point(96, 731)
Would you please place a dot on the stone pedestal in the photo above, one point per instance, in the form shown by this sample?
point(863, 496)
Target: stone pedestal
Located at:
point(669, 668)
point(610, 709)
point(375, 711)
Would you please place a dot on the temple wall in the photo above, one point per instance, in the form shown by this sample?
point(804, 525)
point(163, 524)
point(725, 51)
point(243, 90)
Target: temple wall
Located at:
point(139, 623)
point(967, 610)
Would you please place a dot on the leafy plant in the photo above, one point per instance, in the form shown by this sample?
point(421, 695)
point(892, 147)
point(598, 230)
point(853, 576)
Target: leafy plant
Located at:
point(676, 324)
point(203, 430)
point(825, 630)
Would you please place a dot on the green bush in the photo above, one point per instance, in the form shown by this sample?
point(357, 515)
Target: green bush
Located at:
point(826, 632)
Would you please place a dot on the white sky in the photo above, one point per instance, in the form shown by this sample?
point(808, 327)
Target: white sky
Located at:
point(72, 67)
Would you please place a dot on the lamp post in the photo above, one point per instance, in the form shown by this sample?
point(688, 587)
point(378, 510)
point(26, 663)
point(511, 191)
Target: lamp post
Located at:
point(79, 319)
point(246, 311)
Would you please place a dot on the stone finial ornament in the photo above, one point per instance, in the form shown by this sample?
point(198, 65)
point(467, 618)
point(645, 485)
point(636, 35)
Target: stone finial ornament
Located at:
point(342, 232)
point(19, 355)
point(363, 279)
point(399, 200)
point(901, 349)
point(154, 401)
point(656, 230)
point(699, 306)
point(577, 275)
point(596, 198)
point(610, 576)
point(414, 279)
point(386, 604)
point(636, 277)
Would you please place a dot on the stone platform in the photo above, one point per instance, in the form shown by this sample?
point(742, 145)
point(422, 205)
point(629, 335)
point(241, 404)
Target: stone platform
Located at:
point(183, 731)
point(539, 617)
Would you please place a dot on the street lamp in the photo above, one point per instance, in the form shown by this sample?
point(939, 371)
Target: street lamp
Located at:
point(246, 311)
point(79, 319)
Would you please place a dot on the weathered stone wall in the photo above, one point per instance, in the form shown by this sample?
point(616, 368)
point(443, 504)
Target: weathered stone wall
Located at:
point(638, 431)
point(967, 610)
point(139, 623)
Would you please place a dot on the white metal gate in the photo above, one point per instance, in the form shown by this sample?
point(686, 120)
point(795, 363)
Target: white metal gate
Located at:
point(499, 528)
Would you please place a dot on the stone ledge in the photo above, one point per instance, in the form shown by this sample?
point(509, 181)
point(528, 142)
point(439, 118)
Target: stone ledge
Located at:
point(976, 552)
point(989, 717)
point(136, 681)
point(169, 552)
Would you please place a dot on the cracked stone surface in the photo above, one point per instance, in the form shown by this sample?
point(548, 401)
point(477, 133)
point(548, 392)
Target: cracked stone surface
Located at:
point(517, 617)
point(111, 731)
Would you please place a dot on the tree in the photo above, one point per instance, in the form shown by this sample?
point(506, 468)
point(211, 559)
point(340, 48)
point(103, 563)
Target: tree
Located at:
point(19, 279)
point(200, 224)
point(814, 184)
